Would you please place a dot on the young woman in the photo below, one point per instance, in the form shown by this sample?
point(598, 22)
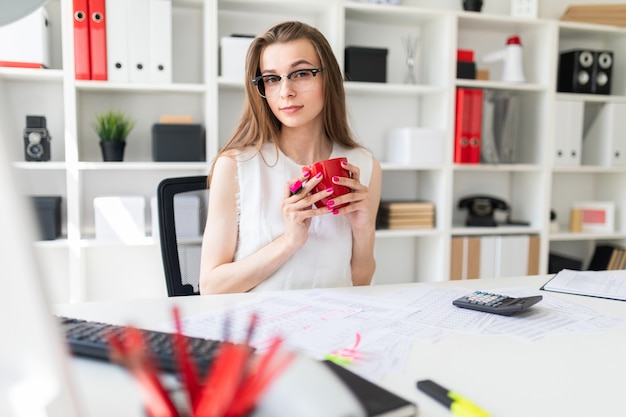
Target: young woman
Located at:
point(259, 234)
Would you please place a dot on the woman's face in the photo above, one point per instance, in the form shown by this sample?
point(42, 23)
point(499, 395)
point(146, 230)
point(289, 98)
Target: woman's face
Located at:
point(294, 105)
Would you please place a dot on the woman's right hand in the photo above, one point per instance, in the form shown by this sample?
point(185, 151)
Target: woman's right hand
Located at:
point(298, 206)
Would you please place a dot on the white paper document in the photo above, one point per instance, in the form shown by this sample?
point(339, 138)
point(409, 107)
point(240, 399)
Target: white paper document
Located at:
point(375, 334)
point(602, 284)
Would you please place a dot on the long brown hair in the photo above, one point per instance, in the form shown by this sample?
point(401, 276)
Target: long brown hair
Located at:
point(258, 125)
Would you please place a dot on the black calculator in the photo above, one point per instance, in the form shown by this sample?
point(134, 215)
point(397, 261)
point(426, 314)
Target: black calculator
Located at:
point(496, 303)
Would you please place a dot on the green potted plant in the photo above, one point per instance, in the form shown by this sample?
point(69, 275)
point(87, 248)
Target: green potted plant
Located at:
point(113, 128)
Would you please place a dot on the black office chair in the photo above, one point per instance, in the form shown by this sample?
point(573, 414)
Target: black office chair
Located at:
point(180, 231)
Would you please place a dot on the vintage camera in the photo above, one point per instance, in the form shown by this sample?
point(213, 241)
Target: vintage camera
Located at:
point(36, 139)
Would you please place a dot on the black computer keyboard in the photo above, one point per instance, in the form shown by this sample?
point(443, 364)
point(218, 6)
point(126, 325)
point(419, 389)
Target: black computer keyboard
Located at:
point(89, 339)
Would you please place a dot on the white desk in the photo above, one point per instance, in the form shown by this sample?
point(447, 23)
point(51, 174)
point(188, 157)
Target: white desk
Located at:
point(569, 375)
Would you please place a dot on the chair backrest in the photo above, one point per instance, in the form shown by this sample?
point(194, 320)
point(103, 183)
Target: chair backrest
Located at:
point(182, 203)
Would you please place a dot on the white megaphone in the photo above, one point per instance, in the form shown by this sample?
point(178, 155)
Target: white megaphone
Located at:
point(512, 57)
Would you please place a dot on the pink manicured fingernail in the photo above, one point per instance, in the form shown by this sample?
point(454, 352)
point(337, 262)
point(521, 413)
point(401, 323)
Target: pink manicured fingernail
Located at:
point(330, 204)
point(306, 174)
point(330, 189)
point(344, 163)
point(335, 212)
point(319, 175)
point(335, 179)
point(295, 187)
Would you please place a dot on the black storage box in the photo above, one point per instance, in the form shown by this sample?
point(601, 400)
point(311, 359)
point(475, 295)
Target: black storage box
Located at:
point(366, 64)
point(466, 70)
point(48, 214)
point(557, 262)
point(178, 143)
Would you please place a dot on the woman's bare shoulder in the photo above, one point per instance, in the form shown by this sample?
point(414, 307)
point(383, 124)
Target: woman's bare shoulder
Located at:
point(225, 165)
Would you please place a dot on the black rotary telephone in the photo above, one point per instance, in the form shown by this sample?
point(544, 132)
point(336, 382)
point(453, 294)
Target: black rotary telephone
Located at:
point(481, 209)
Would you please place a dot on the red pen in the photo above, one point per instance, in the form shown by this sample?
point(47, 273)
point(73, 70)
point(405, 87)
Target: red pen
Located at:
point(269, 366)
point(133, 354)
point(185, 363)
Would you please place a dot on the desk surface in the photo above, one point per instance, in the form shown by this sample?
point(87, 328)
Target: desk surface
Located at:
point(560, 375)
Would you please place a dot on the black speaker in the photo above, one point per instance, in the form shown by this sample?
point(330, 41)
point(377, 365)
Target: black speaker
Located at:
point(602, 72)
point(585, 71)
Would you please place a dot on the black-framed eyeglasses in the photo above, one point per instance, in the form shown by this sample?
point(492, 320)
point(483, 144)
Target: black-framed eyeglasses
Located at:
point(301, 80)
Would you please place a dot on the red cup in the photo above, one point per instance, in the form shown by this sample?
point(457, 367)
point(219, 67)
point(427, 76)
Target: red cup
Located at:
point(329, 168)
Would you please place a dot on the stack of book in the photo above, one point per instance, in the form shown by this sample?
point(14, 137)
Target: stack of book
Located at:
point(606, 14)
point(405, 215)
point(608, 257)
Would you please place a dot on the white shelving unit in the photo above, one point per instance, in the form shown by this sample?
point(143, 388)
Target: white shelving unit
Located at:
point(590, 182)
point(79, 268)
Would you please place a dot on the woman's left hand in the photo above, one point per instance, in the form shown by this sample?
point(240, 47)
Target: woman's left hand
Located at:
point(358, 209)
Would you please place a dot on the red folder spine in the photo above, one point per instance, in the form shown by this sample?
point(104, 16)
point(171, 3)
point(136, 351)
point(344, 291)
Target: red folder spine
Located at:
point(461, 133)
point(468, 126)
point(97, 40)
point(475, 125)
point(82, 68)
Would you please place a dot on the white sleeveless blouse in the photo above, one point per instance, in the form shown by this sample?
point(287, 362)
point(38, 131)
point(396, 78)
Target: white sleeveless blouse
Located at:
point(324, 260)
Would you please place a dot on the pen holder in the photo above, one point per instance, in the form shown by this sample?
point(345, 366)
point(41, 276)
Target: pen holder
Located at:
point(234, 383)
